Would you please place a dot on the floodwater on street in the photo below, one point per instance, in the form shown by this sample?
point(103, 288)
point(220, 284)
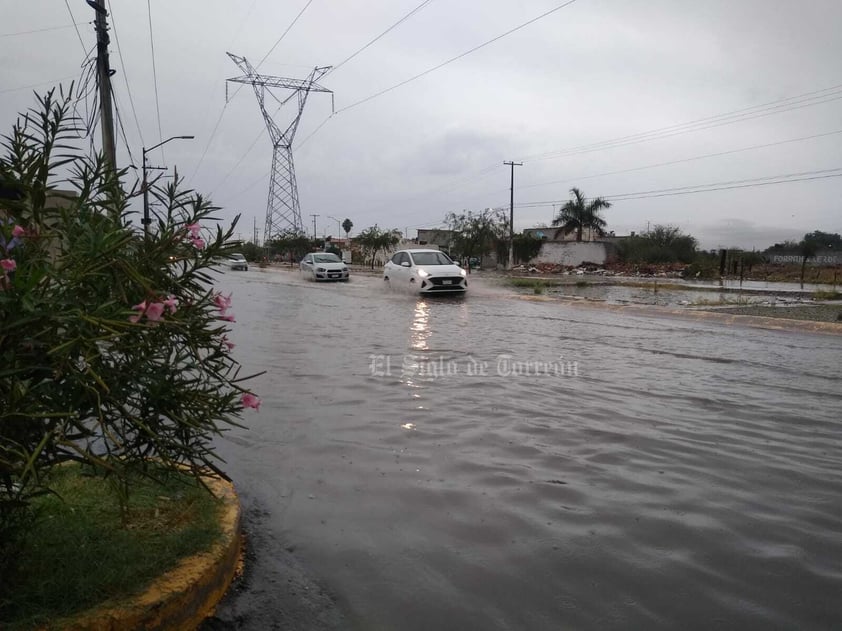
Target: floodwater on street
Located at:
point(496, 462)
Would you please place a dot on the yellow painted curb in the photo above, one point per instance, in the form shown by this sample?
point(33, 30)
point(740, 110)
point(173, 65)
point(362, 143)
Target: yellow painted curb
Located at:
point(183, 597)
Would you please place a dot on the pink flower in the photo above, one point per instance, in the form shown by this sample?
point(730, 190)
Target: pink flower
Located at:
point(222, 302)
point(171, 303)
point(8, 265)
point(229, 317)
point(194, 229)
point(198, 243)
point(155, 311)
point(250, 401)
point(134, 318)
point(230, 345)
point(18, 231)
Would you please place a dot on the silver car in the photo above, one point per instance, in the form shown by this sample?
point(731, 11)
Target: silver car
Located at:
point(238, 261)
point(324, 266)
point(425, 271)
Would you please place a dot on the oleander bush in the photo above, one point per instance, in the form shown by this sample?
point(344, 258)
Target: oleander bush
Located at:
point(113, 345)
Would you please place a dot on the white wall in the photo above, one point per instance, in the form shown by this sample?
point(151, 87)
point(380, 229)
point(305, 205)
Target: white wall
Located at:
point(571, 253)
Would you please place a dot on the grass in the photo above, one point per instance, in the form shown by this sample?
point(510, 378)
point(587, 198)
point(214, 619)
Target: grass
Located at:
point(533, 282)
point(827, 295)
point(77, 553)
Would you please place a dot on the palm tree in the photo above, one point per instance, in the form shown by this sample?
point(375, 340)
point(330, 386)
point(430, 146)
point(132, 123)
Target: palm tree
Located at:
point(579, 213)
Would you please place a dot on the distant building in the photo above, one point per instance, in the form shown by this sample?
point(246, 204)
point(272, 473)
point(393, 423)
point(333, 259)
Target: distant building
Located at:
point(435, 236)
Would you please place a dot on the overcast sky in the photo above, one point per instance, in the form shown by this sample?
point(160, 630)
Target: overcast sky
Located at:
point(572, 96)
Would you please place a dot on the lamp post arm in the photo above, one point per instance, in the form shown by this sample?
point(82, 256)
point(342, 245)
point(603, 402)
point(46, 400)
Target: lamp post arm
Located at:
point(145, 186)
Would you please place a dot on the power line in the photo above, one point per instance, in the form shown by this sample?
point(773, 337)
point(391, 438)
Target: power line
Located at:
point(819, 94)
point(713, 186)
point(457, 57)
point(275, 45)
point(234, 168)
point(682, 160)
point(755, 111)
point(240, 87)
point(126, 79)
point(120, 125)
point(358, 51)
point(73, 20)
point(314, 132)
point(44, 30)
point(155, 75)
point(393, 26)
point(36, 85)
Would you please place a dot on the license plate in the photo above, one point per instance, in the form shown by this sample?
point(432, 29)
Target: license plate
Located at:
point(447, 282)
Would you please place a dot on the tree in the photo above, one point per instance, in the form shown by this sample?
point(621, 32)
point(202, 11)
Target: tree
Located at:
point(526, 248)
point(824, 240)
point(579, 213)
point(346, 226)
point(477, 234)
point(373, 241)
point(662, 244)
point(293, 244)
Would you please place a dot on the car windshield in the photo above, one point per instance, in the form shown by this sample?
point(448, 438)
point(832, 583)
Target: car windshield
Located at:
point(238, 257)
point(326, 258)
point(431, 258)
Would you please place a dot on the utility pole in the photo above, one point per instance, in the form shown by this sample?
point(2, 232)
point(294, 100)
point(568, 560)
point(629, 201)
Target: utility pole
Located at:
point(512, 215)
point(255, 231)
point(104, 80)
point(314, 225)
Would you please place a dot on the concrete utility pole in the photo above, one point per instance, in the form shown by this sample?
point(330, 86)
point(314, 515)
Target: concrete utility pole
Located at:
point(512, 215)
point(104, 80)
point(314, 225)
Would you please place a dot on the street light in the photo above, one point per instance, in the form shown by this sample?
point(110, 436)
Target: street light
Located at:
point(338, 226)
point(145, 186)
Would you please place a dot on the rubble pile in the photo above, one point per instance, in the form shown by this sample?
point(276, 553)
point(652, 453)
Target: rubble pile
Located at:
point(644, 270)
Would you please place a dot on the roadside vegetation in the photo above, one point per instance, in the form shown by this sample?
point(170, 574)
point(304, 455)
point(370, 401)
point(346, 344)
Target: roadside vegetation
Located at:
point(114, 348)
point(81, 552)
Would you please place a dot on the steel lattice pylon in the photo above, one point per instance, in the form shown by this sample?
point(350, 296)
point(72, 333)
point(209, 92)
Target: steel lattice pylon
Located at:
point(282, 209)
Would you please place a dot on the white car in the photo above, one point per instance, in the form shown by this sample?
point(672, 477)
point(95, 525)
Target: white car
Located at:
point(324, 266)
point(425, 271)
point(238, 261)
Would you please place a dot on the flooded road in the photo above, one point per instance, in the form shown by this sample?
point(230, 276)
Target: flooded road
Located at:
point(499, 463)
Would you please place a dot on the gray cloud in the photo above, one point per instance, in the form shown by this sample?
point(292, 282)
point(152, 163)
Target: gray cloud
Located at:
point(597, 70)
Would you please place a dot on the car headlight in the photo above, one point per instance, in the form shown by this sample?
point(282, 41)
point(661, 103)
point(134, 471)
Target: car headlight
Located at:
point(321, 269)
point(423, 273)
point(464, 273)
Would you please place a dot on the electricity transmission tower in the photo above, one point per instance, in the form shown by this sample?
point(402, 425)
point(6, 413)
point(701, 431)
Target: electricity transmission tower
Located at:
point(282, 210)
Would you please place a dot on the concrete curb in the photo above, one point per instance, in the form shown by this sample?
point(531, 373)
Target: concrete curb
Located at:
point(183, 597)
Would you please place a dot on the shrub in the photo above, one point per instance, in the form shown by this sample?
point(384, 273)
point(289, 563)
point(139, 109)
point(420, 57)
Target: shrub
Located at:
point(113, 347)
